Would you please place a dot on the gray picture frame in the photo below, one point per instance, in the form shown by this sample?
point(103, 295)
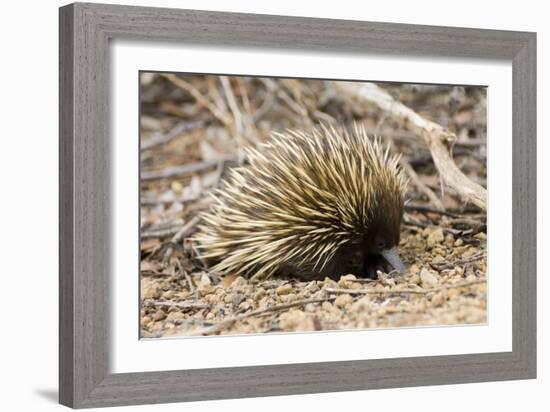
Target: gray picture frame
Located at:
point(85, 32)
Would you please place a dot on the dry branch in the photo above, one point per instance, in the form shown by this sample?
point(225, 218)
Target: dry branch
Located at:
point(224, 324)
point(428, 209)
point(438, 139)
point(198, 96)
point(420, 185)
point(178, 305)
point(185, 230)
point(163, 138)
point(405, 291)
point(233, 106)
point(155, 233)
point(185, 169)
point(243, 124)
point(451, 265)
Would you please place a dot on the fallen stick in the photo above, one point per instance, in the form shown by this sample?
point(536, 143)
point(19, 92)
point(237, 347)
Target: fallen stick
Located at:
point(428, 209)
point(178, 130)
point(185, 230)
point(198, 96)
point(224, 324)
point(179, 305)
point(438, 139)
point(451, 265)
point(233, 106)
point(156, 202)
point(148, 234)
point(421, 185)
point(180, 268)
point(185, 169)
point(404, 291)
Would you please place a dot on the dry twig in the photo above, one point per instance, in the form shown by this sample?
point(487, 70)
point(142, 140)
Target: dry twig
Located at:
point(185, 230)
point(226, 323)
point(164, 232)
point(163, 138)
point(232, 102)
point(420, 185)
point(185, 169)
point(198, 96)
point(451, 265)
point(405, 291)
point(179, 305)
point(428, 209)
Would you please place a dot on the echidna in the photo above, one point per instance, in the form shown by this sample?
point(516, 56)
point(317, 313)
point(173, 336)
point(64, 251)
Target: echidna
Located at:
point(323, 202)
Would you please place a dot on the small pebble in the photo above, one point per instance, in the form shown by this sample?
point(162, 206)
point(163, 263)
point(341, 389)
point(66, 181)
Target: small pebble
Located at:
point(439, 251)
point(428, 278)
point(469, 252)
point(481, 236)
point(205, 280)
point(260, 293)
point(205, 289)
point(328, 282)
point(157, 327)
point(438, 299)
point(454, 293)
point(438, 260)
point(159, 315)
point(175, 317)
point(183, 295)
point(362, 305)
point(212, 298)
point(435, 237)
point(312, 287)
point(343, 300)
point(176, 186)
point(151, 293)
point(346, 281)
point(239, 282)
point(237, 299)
point(327, 306)
point(471, 278)
point(288, 298)
point(310, 307)
point(169, 294)
point(296, 320)
point(414, 270)
point(284, 289)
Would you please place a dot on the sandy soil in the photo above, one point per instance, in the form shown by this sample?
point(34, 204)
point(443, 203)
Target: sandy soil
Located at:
point(449, 289)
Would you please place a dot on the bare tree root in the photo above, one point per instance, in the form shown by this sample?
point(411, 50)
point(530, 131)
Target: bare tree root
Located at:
point(438, 139)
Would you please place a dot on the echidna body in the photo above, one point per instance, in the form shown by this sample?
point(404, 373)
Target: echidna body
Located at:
point(324, 202)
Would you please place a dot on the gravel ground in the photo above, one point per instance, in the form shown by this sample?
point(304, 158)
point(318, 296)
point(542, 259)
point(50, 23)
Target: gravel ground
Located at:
point(450, 289)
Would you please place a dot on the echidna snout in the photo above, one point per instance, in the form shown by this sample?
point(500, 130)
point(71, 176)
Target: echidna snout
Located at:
point(364, 258)
point(316, 203)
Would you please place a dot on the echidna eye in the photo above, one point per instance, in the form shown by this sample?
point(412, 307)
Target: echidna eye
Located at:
point(380, 244)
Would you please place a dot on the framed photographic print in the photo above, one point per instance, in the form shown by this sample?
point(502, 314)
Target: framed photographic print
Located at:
point(256, 205)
